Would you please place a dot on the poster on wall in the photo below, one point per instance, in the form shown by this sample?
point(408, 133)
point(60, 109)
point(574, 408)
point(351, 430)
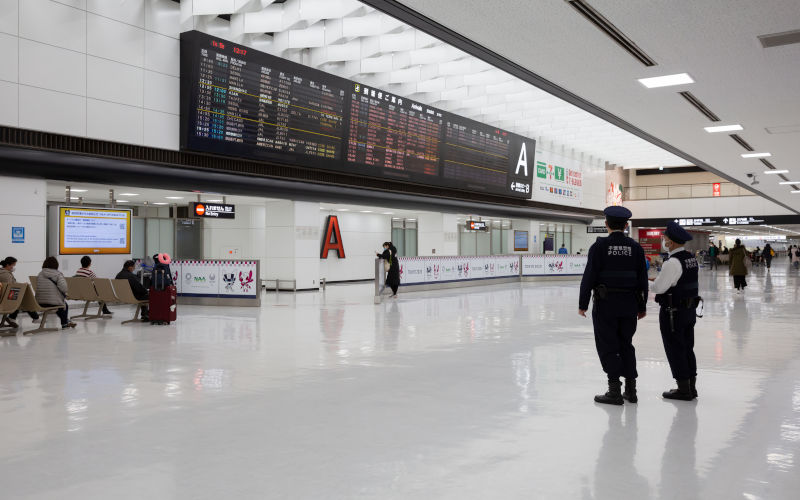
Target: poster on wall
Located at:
point(238, 279)
point(200, 277)
point(557, 179)
point(614, 186)
point(412, 270)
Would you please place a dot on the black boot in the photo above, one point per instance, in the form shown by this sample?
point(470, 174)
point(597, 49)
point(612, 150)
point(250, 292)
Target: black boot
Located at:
point(614, 394)
point(630, 391)
point(693, 386)
point(682, 393)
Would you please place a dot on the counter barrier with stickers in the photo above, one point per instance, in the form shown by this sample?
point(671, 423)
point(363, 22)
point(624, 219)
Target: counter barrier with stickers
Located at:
point(217, 282)
point(431, 272)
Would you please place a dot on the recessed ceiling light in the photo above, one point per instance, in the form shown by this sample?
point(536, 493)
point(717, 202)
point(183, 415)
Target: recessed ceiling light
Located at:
point(770, 172)
point(796, 192)
point(388, 213)
point(78, 190)
point(129, 194)
point(174, 197)
point(723, 128)
point(74, 198)
point(160, 203)
point(366, 211)
point(756, 155)
point(786, 183)
point(344, 209)
point(666, 80)
point(213, 201)
point(122, 201)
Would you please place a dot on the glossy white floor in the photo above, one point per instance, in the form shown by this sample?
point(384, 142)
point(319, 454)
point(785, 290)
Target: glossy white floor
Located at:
point(474, 393)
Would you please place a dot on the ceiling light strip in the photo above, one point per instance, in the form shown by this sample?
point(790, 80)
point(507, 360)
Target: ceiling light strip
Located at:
point(741, 142)
point(607, 27)
point(694, 101)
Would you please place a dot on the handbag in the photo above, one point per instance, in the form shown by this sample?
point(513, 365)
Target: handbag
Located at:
point(748, 263)
point(387, 265)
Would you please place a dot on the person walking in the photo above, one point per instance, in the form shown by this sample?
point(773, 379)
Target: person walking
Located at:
point(7, 266)
point(677, 292)
point(51, 291)
point(769, 253)
point(738, 268)
point(86, 272)
point(713, 251)
point(392, 267)
point(796, 257)
point(616, 276)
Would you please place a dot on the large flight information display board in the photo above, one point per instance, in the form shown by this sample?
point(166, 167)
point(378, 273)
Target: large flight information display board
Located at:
point(241, 102)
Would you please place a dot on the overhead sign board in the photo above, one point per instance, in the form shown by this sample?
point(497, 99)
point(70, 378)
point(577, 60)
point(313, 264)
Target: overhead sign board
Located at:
point(476, 225)
point(750, 220)
point(596, 229)
point(212, 210)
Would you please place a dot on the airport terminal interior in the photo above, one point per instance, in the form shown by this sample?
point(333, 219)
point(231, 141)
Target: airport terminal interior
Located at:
point(397, 249)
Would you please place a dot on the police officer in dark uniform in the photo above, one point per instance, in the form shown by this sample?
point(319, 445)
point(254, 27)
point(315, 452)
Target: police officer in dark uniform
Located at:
point(677, 293)
point(616, 274)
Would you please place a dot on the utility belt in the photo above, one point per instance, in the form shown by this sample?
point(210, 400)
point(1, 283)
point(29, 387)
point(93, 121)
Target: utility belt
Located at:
point(666, 300)
point(601, 293)
point(670, 306)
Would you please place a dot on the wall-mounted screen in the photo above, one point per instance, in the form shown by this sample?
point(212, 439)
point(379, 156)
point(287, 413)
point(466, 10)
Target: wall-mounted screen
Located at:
point(520, 241)
point(93, 231)
point(241, 102)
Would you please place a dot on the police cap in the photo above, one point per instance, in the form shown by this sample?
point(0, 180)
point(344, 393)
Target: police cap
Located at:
point(617, 214)
point(676, 233)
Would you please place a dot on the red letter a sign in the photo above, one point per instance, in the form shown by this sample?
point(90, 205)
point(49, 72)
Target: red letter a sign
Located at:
point(333, 238)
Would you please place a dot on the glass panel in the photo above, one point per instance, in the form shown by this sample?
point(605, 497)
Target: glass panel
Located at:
point(496, 236)
point(411, 243)
point(153, 231)
point(137, 238)
point(484, 243)
point(166, 236)
point(507, 233)
point(399, 239)
point(468, 243)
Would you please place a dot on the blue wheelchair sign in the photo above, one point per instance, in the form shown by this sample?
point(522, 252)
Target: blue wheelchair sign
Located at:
point(17, 235)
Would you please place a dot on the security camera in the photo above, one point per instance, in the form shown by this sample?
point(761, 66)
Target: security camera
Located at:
point(755, 180)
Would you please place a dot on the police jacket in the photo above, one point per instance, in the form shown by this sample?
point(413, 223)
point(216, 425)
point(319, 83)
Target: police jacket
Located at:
point(616, 262)
point(685, 288)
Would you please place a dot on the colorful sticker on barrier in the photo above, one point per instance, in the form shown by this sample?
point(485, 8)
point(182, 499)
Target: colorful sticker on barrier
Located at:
point(238, 278)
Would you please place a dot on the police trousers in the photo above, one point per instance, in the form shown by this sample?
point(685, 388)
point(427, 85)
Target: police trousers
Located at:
point(613, 337)
point(679, 344)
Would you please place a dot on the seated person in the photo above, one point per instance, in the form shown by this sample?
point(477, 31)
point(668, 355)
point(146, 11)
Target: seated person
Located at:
point(139, 291)
point(51, 290)
point(85, 272)
point(7, 266)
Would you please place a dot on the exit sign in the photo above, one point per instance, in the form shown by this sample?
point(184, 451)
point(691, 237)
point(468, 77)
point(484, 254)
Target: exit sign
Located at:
point(717, 189)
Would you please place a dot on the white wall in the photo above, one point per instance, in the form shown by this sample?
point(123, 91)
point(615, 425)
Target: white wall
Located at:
point(242, 238)
point(24, 203)
point(437, 234)
point(362, 234)
point(93, 68)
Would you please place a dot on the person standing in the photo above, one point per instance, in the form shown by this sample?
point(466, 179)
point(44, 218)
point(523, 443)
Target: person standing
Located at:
point(677, 292)
point(563, 250)
point(738, 268)
point(389, 257)
point(7, 266)
point(51, 291)
point(769, 253)
point(85, 272)
point(616, 275)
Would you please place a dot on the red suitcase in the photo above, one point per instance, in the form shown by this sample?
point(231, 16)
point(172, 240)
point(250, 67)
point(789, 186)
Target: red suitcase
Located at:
point(163, 305)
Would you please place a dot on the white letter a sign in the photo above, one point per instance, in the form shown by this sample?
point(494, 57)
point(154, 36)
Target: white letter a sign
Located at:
point(523, 160)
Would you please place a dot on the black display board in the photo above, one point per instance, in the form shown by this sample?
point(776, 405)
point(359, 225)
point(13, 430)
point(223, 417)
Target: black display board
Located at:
point(241, 102)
